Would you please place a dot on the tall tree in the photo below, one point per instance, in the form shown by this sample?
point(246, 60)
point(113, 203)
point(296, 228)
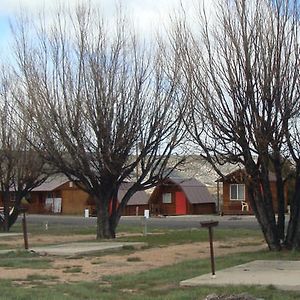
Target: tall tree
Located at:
point(103, 110)
point(242, 75)
point(292, 240)
point(21, 169)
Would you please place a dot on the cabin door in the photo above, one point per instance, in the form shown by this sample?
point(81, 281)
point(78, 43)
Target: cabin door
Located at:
point(180, 203)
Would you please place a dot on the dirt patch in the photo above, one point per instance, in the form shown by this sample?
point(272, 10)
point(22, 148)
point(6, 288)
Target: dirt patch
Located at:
point(18, 242)
point(94, 268)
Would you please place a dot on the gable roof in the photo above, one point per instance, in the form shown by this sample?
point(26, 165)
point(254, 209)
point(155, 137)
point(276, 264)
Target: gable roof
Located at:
point(138, 198)
point(54, 182)
point(239, 175)
point(195, 191)
point(51, 183)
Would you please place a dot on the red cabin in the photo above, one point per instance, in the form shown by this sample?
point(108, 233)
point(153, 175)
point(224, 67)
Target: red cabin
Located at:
point(181, 196)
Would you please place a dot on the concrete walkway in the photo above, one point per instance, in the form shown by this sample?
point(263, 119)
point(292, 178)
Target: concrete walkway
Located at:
point(84, 248)
point(8, 234)
point(281, 274)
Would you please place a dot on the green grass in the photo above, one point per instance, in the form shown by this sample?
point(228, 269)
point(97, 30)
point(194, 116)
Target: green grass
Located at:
point(58, 229)
point(156, 237)
point(74, 269)
point(191, 236)
point(40, 277)
point(161, 283)
point(54, 229)
point(24, 259)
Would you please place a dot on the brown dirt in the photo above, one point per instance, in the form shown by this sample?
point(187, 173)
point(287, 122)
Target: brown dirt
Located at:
point(94, 268)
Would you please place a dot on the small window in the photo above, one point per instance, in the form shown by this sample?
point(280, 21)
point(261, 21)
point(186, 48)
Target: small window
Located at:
point(167, 198)
point(237, 192)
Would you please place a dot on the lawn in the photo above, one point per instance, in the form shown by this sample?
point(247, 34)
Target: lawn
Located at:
point(155, 237)
point(160, 283)
point(191, 236)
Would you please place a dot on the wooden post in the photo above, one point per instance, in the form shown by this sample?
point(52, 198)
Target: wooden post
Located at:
point(212, 259)
point(24, 226)
point(210, 225)
point(218, 198)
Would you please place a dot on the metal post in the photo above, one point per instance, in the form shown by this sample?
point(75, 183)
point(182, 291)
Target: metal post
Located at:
point(212, 258)
point(145, 224)
point(210, 225)
point(24, 225)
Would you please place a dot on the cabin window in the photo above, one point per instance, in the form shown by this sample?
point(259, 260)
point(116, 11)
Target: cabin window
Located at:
point(237, 192)
point(167, 198)
point(50, 195)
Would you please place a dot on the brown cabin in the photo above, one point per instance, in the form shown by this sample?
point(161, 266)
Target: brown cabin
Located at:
point(61, 196)
point(58, 195)
point(235, 193)
point(181, 196)
point(46, 198)
point(135, 206)
point(138, 202)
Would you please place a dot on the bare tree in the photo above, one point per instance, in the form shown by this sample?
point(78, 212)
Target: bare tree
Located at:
point(292, 240)
point(242, 76)
point(103, 109)
point(21, 169)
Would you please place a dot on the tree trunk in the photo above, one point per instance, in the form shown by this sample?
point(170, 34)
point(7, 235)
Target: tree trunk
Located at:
point(113, 223)
point(103, 229)
point(280, 196)
point(114, 216)
point(296, 239)
point(13, 213)
point(117, 210)
point(13, 217)
point(292, 236)
point(261, 203)
point(5, 197)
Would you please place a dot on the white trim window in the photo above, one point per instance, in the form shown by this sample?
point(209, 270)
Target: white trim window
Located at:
point(237, 192)
point(167, 198)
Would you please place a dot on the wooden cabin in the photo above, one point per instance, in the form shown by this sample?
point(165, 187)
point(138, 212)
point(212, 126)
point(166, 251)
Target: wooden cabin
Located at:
point(181, 196)
point(59, 195)
point(137, 204)
point(235, 193)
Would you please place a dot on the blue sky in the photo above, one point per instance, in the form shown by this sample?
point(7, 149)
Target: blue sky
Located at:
point(147, 15)
point(4, 29)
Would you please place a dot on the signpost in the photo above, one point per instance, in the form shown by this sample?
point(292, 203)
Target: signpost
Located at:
point(146, 217)
point(24, 226)
point(210, 225)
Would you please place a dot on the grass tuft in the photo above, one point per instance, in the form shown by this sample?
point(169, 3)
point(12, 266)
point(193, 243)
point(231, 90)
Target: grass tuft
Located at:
point(77, 269)
point(134, 259)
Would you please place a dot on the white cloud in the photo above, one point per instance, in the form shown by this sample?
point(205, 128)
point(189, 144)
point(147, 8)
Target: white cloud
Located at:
point(145, 13)
point(148, 16)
